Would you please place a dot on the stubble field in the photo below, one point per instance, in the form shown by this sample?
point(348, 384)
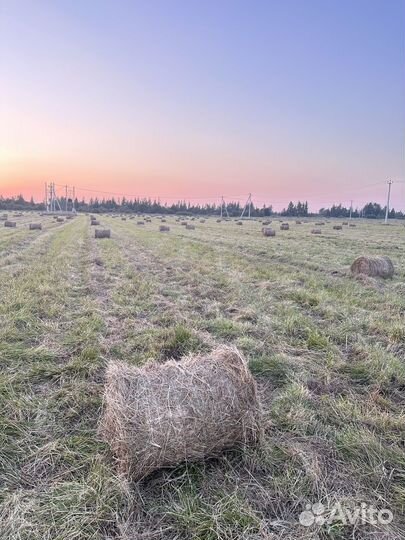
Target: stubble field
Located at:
point(327, 351)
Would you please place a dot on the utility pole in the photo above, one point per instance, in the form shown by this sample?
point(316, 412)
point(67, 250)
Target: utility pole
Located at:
point(250, 204)
point(387, 209)
point(247, 205)
point(351, 209)
point(222, 204)
point(66, 198)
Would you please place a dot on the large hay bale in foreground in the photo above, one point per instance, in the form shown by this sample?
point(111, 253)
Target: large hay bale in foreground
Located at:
point(267, 231)
point(102, 233)
point(162, 414)
point(10, 223)
point(373, 267)
point(35, 226)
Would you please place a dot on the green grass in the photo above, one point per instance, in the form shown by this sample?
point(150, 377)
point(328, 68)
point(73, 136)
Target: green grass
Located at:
point(327, 351)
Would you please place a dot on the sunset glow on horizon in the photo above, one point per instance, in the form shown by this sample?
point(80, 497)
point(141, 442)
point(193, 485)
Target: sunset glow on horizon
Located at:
point(286, 100)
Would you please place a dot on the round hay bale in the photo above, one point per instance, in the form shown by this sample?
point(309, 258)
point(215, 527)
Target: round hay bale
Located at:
point(190, 226)
point(352, 225)
point(164, 228)
point(316, 231)
point(265, 223)
point(202, 220)
point(219, 220)
point(102, 233)
point(184, 223)
point(35, 226)
point(298, 222)
point(345, 223)
point(123, 219)
point(337, 227)
point(4, 217)
point(373, 267)
point(10, 223)
point(140, 223)
point(319, 223)
point(239, 223)
point(60, 219)
point(284, 227)
point(95, 222)
point(159, 415)
point(267, 231)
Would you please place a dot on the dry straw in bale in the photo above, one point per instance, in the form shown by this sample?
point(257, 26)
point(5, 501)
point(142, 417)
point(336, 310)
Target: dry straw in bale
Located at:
point(266, 231)
point(102, 233)
point(373, 267)
point(162, 414)
point(10, 224)
point(35, 226)
point(316, 231)
point(284, 226)
point(164, 228)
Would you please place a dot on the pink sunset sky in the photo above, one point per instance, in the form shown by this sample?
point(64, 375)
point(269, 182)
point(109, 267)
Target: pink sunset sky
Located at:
point(277, 99)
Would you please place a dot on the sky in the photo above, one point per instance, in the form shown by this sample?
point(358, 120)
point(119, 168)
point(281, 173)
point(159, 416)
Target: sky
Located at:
point(284, 99)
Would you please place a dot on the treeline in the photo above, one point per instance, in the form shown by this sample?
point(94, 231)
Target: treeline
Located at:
point(234, 209)
point(142, 206)
point(370, 210)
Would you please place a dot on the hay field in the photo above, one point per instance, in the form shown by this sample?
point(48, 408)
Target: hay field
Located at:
point(327, 351)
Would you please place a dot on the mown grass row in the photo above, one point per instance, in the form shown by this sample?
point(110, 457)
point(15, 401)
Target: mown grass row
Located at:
point(54, 479)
